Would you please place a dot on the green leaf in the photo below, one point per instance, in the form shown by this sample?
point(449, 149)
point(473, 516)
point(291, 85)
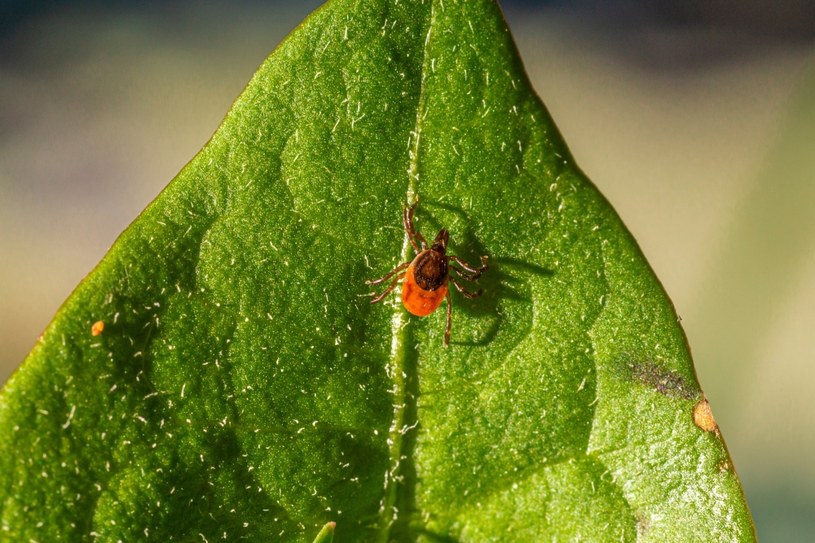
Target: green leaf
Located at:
point(244, 388)
point(326, 535)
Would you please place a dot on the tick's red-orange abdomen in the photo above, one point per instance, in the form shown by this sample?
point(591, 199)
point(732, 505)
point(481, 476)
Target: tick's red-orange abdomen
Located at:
point(417, 300)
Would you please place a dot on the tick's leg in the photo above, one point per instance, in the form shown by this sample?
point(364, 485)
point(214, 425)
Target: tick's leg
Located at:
point(464, 291)
point(474, 273)
point(409, 228)
point(464, 275)
point(467, 267)
point(389, 289)
point(388, 275)
point(449, 319)
point(413, 235)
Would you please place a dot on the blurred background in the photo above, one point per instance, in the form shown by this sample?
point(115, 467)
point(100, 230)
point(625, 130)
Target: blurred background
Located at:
point(695, 119)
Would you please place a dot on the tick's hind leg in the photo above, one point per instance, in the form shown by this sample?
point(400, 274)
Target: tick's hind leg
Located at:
point(469, 272)
point(388, 275)
point(464, 291)
point(416, 239)
point(395, 271)
point(388, 290)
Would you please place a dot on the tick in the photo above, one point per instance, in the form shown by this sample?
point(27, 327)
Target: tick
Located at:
point(426, 277)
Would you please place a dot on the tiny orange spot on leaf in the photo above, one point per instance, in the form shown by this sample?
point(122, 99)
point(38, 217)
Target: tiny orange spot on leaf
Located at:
point(97, 328)
point(703, 416)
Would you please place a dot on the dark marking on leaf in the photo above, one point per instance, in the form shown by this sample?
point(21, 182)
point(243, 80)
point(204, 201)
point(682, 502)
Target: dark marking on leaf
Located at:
point(643, 525)
point(666, 382)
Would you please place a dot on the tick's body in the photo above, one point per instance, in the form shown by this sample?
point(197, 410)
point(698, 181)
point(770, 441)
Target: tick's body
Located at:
point(427, 275)
point(425, 283)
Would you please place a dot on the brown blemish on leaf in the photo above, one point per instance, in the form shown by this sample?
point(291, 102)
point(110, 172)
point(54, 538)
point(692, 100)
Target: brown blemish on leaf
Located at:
point(643, 525)
point(664, 381)
point(703, 416)
point(97, 328)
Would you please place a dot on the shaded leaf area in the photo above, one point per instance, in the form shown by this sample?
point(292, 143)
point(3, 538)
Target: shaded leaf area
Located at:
point(244, 388)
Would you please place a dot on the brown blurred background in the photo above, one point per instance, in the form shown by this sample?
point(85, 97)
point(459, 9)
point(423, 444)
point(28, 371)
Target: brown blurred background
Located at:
point(696, 119)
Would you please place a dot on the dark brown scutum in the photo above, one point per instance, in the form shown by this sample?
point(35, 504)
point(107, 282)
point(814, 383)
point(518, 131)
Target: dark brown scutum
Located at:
point(430, 269)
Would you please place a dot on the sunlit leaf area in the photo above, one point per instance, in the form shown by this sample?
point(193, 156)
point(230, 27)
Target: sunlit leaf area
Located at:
point(695, 132)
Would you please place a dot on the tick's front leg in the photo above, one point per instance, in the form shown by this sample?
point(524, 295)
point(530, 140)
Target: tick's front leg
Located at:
point(416, 239)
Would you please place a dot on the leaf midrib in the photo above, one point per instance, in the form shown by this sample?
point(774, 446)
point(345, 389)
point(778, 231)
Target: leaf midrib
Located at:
point(397, 487)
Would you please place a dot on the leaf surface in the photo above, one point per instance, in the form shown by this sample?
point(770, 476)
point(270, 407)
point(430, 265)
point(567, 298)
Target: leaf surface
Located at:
point(244, 388)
